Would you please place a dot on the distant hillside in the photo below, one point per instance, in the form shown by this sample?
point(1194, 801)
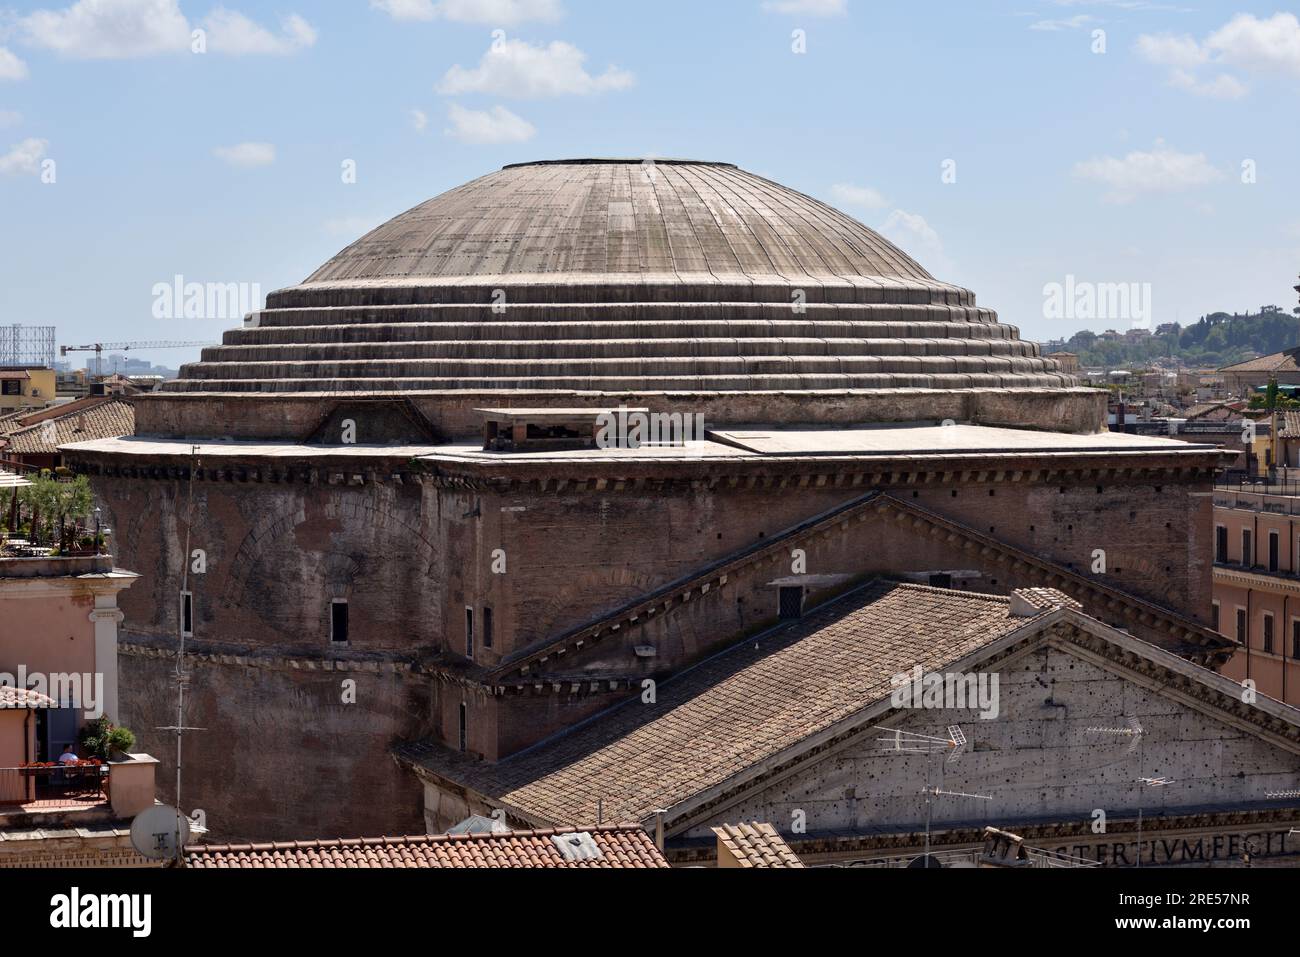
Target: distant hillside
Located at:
point(1216, 340)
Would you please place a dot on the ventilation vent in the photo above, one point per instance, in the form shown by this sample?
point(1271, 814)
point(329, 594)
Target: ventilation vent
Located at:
point(578, 847)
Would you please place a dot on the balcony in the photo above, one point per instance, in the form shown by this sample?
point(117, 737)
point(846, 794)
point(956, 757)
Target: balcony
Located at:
point(53, 787)
point(85, 793)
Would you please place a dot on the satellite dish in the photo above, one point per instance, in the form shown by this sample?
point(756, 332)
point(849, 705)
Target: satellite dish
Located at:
point(158, 832)
point(925, 860)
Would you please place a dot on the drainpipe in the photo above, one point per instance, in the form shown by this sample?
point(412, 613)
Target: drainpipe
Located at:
point(1247, 635)
point(1286, 628)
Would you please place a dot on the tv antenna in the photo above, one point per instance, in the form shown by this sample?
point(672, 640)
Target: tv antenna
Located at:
point(1135, 732)
point(182, 675)
point(909, 742)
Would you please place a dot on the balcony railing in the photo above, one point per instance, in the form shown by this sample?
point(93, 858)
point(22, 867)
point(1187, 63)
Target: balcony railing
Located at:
point(48, 786)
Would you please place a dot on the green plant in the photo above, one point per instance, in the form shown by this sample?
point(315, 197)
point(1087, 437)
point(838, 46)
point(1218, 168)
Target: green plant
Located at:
point(101, 738)
point(50, 504)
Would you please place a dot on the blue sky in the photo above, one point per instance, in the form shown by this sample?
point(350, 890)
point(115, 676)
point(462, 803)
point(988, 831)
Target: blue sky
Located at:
point(226, 166)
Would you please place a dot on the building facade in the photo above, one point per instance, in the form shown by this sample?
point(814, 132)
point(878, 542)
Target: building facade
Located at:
point(313, 504)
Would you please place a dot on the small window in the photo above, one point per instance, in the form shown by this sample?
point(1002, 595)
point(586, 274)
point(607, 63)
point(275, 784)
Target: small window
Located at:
point(791, 602)
point(1214, 616)
point(11, 387)
point(339, 622)
point(1295, 638)
point(187, 614)
point(1247, 553)
point(487, 627)
point(1268, 634)
point(1273, 550)
point(464, 726)
point(1221, 543)
point(469, 632)
point(1242, 633)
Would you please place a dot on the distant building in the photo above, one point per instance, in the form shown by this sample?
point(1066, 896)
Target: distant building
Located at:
point(1244, 377)
point(33, 440)
point(1067, 362)
point(22, 389)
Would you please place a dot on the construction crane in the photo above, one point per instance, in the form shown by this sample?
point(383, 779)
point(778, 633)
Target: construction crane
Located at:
point(99, 347)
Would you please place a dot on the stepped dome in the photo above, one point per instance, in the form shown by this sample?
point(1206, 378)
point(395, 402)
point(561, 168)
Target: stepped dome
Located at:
point(620, 276)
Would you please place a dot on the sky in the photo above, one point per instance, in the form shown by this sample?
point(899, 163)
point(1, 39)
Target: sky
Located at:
point(1007, 146)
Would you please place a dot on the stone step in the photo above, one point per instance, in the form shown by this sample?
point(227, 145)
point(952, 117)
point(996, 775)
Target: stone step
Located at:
point(629, 366)
point(606, 312)
point(562, 289)
point(578, 349)
point(632, 384)
point(632, 330)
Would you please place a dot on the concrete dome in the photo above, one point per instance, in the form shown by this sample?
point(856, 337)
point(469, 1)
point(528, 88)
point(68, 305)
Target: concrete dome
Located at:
point(613, 276)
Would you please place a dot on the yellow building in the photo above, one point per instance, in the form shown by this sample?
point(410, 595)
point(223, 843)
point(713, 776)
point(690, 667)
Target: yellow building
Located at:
point(22, 389)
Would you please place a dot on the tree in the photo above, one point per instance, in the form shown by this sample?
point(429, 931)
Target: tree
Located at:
point(53, 503)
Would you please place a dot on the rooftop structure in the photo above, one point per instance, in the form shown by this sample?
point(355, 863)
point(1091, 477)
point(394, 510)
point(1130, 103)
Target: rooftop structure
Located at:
point(816, 744)
point(603, 847)
point(613, 277)
point(395, 472)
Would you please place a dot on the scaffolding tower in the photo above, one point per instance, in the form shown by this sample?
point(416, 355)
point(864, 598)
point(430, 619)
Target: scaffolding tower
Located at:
point(28, 346)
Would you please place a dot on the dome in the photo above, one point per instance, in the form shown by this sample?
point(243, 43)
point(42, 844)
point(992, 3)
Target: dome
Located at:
point(620, 276)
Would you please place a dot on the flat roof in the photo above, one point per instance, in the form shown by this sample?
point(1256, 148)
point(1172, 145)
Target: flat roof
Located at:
point(735, 443)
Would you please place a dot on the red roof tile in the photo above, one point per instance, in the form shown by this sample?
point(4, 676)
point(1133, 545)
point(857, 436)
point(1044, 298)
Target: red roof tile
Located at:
point(619, 846)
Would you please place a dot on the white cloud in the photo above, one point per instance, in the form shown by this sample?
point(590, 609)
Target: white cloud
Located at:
point(912, 234)
point(123, 29)
point(1222, 87)
point(419, 120)
point(1245, 42)
point(1168, 50)
point(246, 155)
point(9, 118)
point(1072, 23)
point(497, 125)
point(1161, 170)
point(809, 8)
point(11, 68)
point(494, 12)
point(1262, 45)
point(515, 68)
point(233, 33)
point(24, 158)
point(861, 196)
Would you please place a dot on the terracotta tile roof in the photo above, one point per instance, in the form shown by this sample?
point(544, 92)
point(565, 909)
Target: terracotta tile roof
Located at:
point(1277, 362)
point(1290, 425)
point(11, 697)
point(756, 845)
point(736, 709)
point(619, 846)
point(107, 419)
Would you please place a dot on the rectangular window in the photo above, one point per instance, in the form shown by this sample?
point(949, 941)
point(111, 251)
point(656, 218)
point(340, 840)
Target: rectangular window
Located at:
point(1242, 634)
point(339, 622)
point(1295, 637)
point(1221, 543)
point(487, 627)
point(464, 726)
point(187, 614)
point(11, 387)
point(1268, 634)
point(1272, 551)
point(791, 603)
point(1214, 616)
point(1247, 558)
point(469, 632)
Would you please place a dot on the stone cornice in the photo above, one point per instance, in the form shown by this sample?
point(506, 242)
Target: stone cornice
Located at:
point(592, 476)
